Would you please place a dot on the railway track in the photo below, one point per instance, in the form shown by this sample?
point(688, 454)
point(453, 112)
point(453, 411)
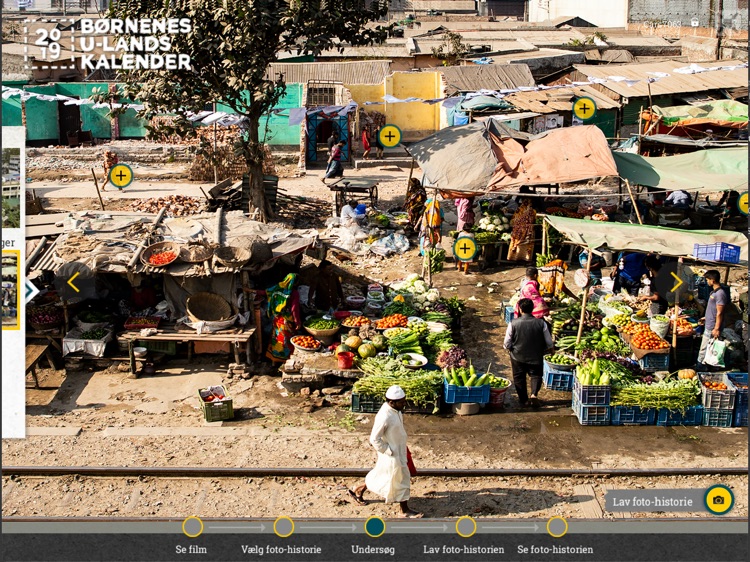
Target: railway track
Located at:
point(120, 493)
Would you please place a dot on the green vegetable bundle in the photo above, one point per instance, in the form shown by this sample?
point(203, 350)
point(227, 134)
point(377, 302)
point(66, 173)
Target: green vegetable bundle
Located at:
point(590, 373)
point(675, 395)
point(406, 342)
point(436, 259)
point(399, 308)
point(463, 376)
point(421, 387)
point(486, 237)
point(95, 334)
point(440, 340)
point(440, 317)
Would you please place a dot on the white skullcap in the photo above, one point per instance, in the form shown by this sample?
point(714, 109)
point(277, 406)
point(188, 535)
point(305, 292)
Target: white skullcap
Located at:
point(395, 393)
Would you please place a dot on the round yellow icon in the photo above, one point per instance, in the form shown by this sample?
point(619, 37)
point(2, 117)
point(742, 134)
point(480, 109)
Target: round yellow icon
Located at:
point(719, 499)
point(192, 526)
point(557, 526)
point(584, 108)
point(742, 203)
point(121, 176)
point(283, 526)
point(464, 248)
point(390, 136)
point(466, 526)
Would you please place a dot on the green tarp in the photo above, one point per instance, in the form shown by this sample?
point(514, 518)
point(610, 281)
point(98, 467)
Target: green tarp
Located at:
point(727, 113)
point(720, 169)
point(643, 238)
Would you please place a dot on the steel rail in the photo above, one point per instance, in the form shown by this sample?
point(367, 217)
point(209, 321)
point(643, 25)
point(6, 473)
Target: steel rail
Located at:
point(269, 472)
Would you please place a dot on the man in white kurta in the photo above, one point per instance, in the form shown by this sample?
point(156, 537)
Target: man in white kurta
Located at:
point(390, 478)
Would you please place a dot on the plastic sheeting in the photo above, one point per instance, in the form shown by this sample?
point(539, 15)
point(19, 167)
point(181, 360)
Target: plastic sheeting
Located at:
point(720, 169)
point(644, 238)
point(721, 113)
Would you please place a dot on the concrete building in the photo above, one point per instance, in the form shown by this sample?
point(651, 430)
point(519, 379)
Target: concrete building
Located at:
point(612, 13)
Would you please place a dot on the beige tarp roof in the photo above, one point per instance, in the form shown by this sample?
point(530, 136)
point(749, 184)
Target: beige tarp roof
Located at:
point(644, 238)
point(483, 157)
point(558, 156)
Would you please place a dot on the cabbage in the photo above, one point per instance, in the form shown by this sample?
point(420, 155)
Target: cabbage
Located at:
point(496, 221)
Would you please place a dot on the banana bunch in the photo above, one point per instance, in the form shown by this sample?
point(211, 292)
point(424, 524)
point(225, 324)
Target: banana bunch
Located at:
point(558, 326)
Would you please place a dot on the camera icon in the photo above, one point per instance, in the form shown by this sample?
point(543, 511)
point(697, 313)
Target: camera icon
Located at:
point(718, 500)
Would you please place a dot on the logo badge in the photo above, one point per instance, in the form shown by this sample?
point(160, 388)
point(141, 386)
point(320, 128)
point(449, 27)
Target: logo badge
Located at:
point(465, 248)
point(121, 176)
point(390, 136)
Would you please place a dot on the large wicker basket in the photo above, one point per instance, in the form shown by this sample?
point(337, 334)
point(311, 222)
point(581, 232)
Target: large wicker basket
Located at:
point(207, 307)
point(158, 248)
point(196, 253)
point(232, 256)
point(322, 333)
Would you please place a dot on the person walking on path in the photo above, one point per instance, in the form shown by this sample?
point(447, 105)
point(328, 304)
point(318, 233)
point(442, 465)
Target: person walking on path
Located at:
point(718, 302)
point(391, 477)
point(335, 169)
point(378, 145)
point(365, 144)
point(464, 211)
point(527, 339)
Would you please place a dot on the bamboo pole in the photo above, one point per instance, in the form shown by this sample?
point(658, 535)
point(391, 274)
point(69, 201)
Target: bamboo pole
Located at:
point(545, 241)
point(98, 193)
point(680, 268)
point(635, 206)
point(584, 301)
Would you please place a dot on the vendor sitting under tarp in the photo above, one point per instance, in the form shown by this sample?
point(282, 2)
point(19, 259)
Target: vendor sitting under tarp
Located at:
point(325, 290)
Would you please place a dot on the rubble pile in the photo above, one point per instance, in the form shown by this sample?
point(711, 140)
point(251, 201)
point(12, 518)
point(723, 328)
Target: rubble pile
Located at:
point(177, 205)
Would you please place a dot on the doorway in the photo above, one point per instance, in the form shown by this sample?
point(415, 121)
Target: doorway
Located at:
point(70, 120)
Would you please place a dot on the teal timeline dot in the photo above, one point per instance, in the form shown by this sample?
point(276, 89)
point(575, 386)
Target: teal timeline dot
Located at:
point(375, 526)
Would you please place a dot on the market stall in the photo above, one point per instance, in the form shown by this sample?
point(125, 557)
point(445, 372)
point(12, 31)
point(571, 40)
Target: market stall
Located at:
point(401, 334)
point(623, 364)
point(149, 282)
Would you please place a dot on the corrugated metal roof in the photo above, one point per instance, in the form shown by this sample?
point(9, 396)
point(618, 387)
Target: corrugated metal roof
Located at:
point(489, 77)
point(673, 84)
point(359, 72)
point(552, 101)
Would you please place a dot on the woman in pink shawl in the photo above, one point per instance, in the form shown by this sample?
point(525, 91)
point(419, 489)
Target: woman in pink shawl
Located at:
point(464, 212)
point(530, 290)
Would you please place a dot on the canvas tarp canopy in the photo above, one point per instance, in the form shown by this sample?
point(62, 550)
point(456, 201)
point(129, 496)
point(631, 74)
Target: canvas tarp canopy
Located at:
point(644, 238)
point(721, 113)
point(490, 157)
point(720, 169)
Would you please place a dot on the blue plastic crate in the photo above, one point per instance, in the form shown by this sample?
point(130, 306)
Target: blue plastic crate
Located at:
point(591, 415)
point(655, 362)
point(509, 314)
point(691, 416)
point(633, 415)
point(591, 395)
point(461, 394)
point(717, 418)
point(740, 418)
point(721, 251)
point(558, 380)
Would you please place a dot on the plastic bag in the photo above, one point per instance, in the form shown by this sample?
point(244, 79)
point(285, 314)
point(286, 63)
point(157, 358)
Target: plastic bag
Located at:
point(715, 353)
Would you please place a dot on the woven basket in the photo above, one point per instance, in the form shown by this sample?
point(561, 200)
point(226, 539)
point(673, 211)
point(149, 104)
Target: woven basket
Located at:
point(207, 307)
point(196, 253)
point(322, 333)
point(157, 249)
point(232, 256)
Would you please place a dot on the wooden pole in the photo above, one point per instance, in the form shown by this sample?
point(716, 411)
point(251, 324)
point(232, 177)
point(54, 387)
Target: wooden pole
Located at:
point(411, 172)
point(98, 193)
point(216, 169)
point(640, 120)
point(635, 206)
point(676, 315)
point(545, 241)
point(585, 299)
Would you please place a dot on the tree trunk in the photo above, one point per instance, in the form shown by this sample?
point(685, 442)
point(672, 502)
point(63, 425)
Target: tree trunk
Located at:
point(254, 158)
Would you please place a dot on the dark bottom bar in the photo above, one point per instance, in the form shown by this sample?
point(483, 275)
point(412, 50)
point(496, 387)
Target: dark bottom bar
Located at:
point(334, 548)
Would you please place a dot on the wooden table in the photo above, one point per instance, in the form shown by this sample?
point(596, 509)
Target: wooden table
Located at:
point(345, 187)
point(34, 353)
point(173, 335)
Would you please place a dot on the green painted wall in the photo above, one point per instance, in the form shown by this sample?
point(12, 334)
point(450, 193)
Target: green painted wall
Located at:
point(43, 119)
point(606, 120)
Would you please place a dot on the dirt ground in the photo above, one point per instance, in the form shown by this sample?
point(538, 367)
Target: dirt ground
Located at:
point(155, 421)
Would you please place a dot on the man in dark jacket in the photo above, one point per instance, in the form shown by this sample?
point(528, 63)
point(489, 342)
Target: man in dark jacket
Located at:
point(527, 339)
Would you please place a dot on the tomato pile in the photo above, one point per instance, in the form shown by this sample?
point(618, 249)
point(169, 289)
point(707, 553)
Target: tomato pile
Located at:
point(714, 385)
point(646, 339)
point(633, 328)
point(684, 328)
point(162, 258)
point(355, 321)
point(392, 321)
point(212, 397)
point(306, 342)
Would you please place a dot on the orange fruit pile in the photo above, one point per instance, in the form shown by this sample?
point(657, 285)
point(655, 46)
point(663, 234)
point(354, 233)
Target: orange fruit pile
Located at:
point(355, 321)
point(306, 342)
point(715, 385)
point(647, 339)
point(392, 321)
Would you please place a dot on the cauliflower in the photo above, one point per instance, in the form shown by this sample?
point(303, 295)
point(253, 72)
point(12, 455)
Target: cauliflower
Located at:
point(411, 279)
point(420, 287)
point(496, 221)
point(432, 295)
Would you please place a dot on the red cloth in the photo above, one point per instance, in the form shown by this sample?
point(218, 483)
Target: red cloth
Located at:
point(365, 140)
point(530, 290)
point(410, 463)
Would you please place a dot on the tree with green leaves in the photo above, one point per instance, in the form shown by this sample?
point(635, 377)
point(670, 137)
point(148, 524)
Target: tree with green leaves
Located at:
point(231, 44)
point(451, 49)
